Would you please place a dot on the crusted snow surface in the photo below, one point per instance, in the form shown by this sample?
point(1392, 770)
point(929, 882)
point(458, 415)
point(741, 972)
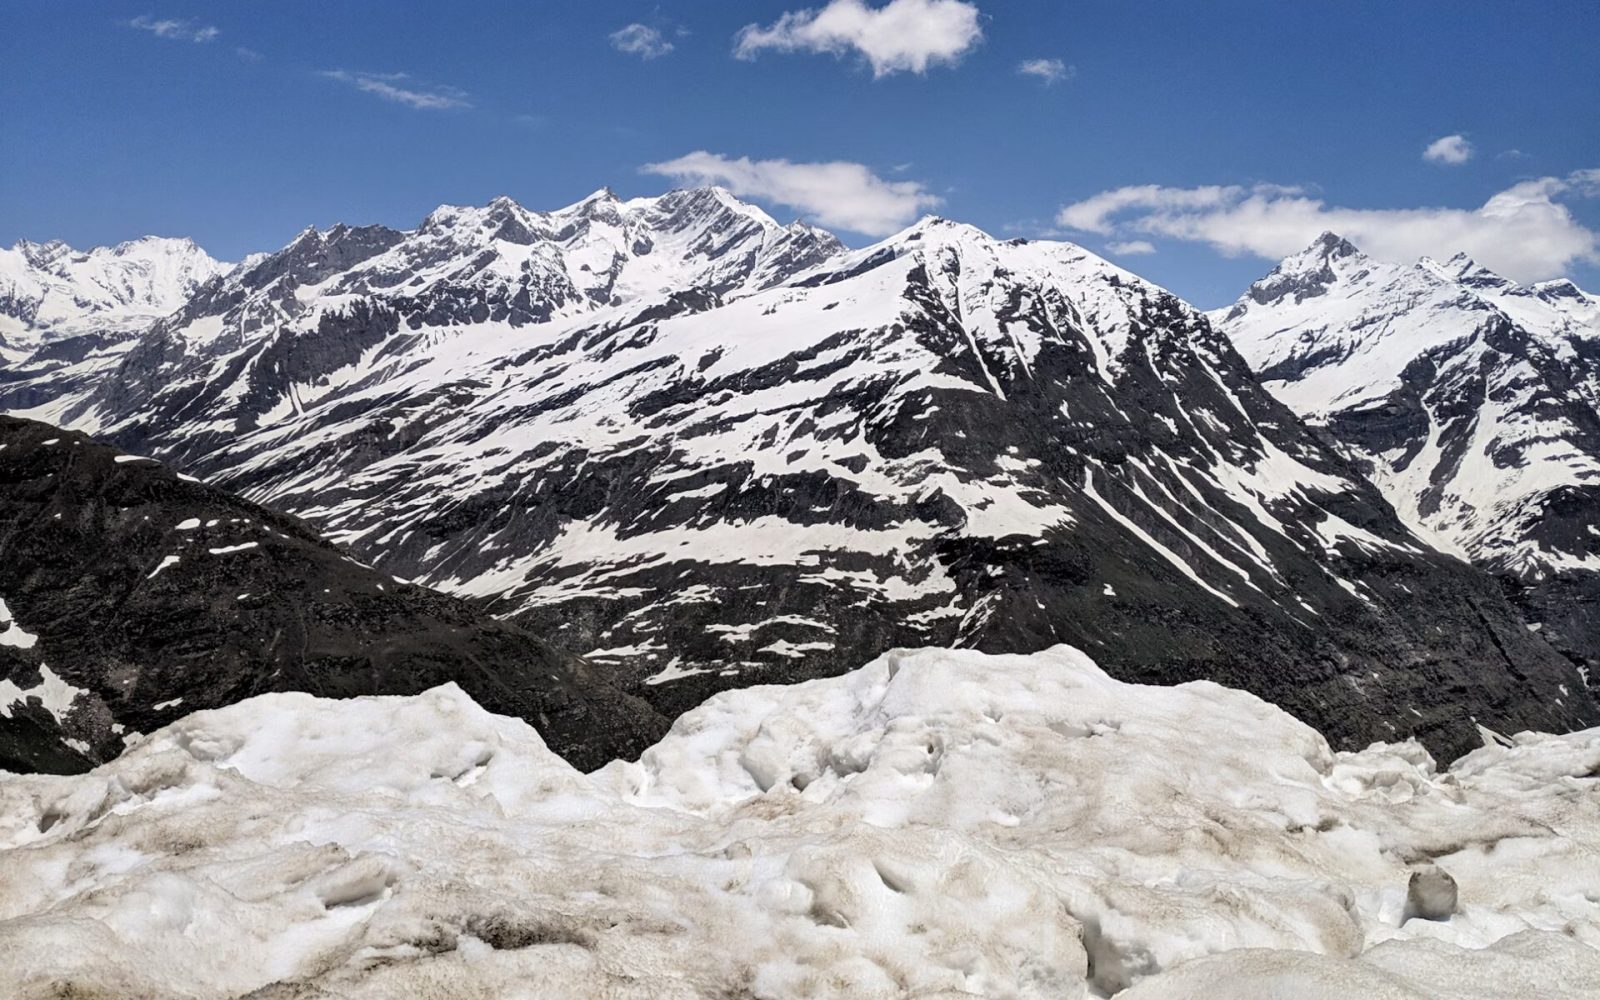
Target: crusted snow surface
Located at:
point(936, 823)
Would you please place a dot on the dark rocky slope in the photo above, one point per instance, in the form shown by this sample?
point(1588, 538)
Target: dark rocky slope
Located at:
point(106, 627)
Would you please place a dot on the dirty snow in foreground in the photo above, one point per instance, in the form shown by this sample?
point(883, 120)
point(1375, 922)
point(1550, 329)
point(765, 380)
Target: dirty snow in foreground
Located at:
point(934, 824)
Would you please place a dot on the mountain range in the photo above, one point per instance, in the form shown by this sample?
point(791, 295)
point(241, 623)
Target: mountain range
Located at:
point(1471, 401)
point(50, 292)
point(694, 449)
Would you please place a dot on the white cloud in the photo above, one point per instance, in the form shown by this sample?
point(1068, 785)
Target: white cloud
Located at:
point(396, 87)
point(901, 35)
point(1453, 150)
point(248, 55)
point(640, 40)
point(839, 194)
point(1128, 248)
point(1094, 214)
point(1048, 70)
point(1524, 231)
point(176, 29)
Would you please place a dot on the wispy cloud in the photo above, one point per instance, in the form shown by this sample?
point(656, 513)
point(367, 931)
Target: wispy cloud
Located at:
point(1051, 71)
point(1128, 248)
point(1452, 150)
point(248, 55)
point(398, 87)
point(640, 40)
point(902, 35)
point(1525, 231)
point(839, 194)
point(176, 29)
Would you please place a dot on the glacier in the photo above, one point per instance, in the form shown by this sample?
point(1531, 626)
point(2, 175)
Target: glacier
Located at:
point(937, 823)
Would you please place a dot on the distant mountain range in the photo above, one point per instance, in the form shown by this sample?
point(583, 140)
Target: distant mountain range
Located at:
point(1471, 401)
point(703, 450)
point(50, 292)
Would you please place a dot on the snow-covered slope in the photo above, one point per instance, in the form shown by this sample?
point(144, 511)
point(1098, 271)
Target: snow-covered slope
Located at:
point(51, 292)
point(935, 824)
point(1472, 401)
point(711, 451)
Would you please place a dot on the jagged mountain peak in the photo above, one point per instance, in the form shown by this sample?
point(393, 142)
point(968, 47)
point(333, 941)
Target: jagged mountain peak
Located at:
point(1462, 269)
point(1560, 288)
point(937, 228)
point(1326, 261)
point(52, 251)
point(42, 254)
point(51, 291)
point(1320, 255)
point(600, 196)
point(1470, 400)
point(1328, 245)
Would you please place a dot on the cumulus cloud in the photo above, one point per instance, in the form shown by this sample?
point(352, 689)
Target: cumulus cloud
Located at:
point(398, 87)
point(1525, 231)
point(640, 40)
point(1452, 150)
point(1048, 70)
point(902, 35)
point(175, 28)
point(838, 194)
point(1130, 247)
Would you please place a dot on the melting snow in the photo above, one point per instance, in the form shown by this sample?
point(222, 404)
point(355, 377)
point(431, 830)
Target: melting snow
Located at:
point(224, 550)
point(935, 823)
point(55, 694)
point(12, 634)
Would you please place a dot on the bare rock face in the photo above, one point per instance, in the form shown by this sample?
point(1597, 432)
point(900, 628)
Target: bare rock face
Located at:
point(1431, 894)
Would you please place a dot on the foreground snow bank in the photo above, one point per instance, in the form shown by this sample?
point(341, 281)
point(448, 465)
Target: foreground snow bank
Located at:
point(936, 823)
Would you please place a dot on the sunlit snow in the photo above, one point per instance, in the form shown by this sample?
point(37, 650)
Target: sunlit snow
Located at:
point(936, 823)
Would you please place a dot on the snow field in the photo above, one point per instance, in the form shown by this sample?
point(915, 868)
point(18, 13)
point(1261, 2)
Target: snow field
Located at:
point(936, 823)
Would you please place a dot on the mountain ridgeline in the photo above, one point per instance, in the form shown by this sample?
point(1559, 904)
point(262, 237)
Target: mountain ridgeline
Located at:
point(703, 450)
point(1471, 401)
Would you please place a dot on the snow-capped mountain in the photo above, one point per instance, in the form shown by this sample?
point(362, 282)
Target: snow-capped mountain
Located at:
point(131, 596)
point(709, 451)
point(51, 292)
point(1473, 403)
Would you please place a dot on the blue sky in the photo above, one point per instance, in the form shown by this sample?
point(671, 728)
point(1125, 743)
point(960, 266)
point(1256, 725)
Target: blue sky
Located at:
point(1200, 139)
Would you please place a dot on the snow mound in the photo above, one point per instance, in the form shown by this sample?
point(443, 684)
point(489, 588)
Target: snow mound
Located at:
point(937, 823)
